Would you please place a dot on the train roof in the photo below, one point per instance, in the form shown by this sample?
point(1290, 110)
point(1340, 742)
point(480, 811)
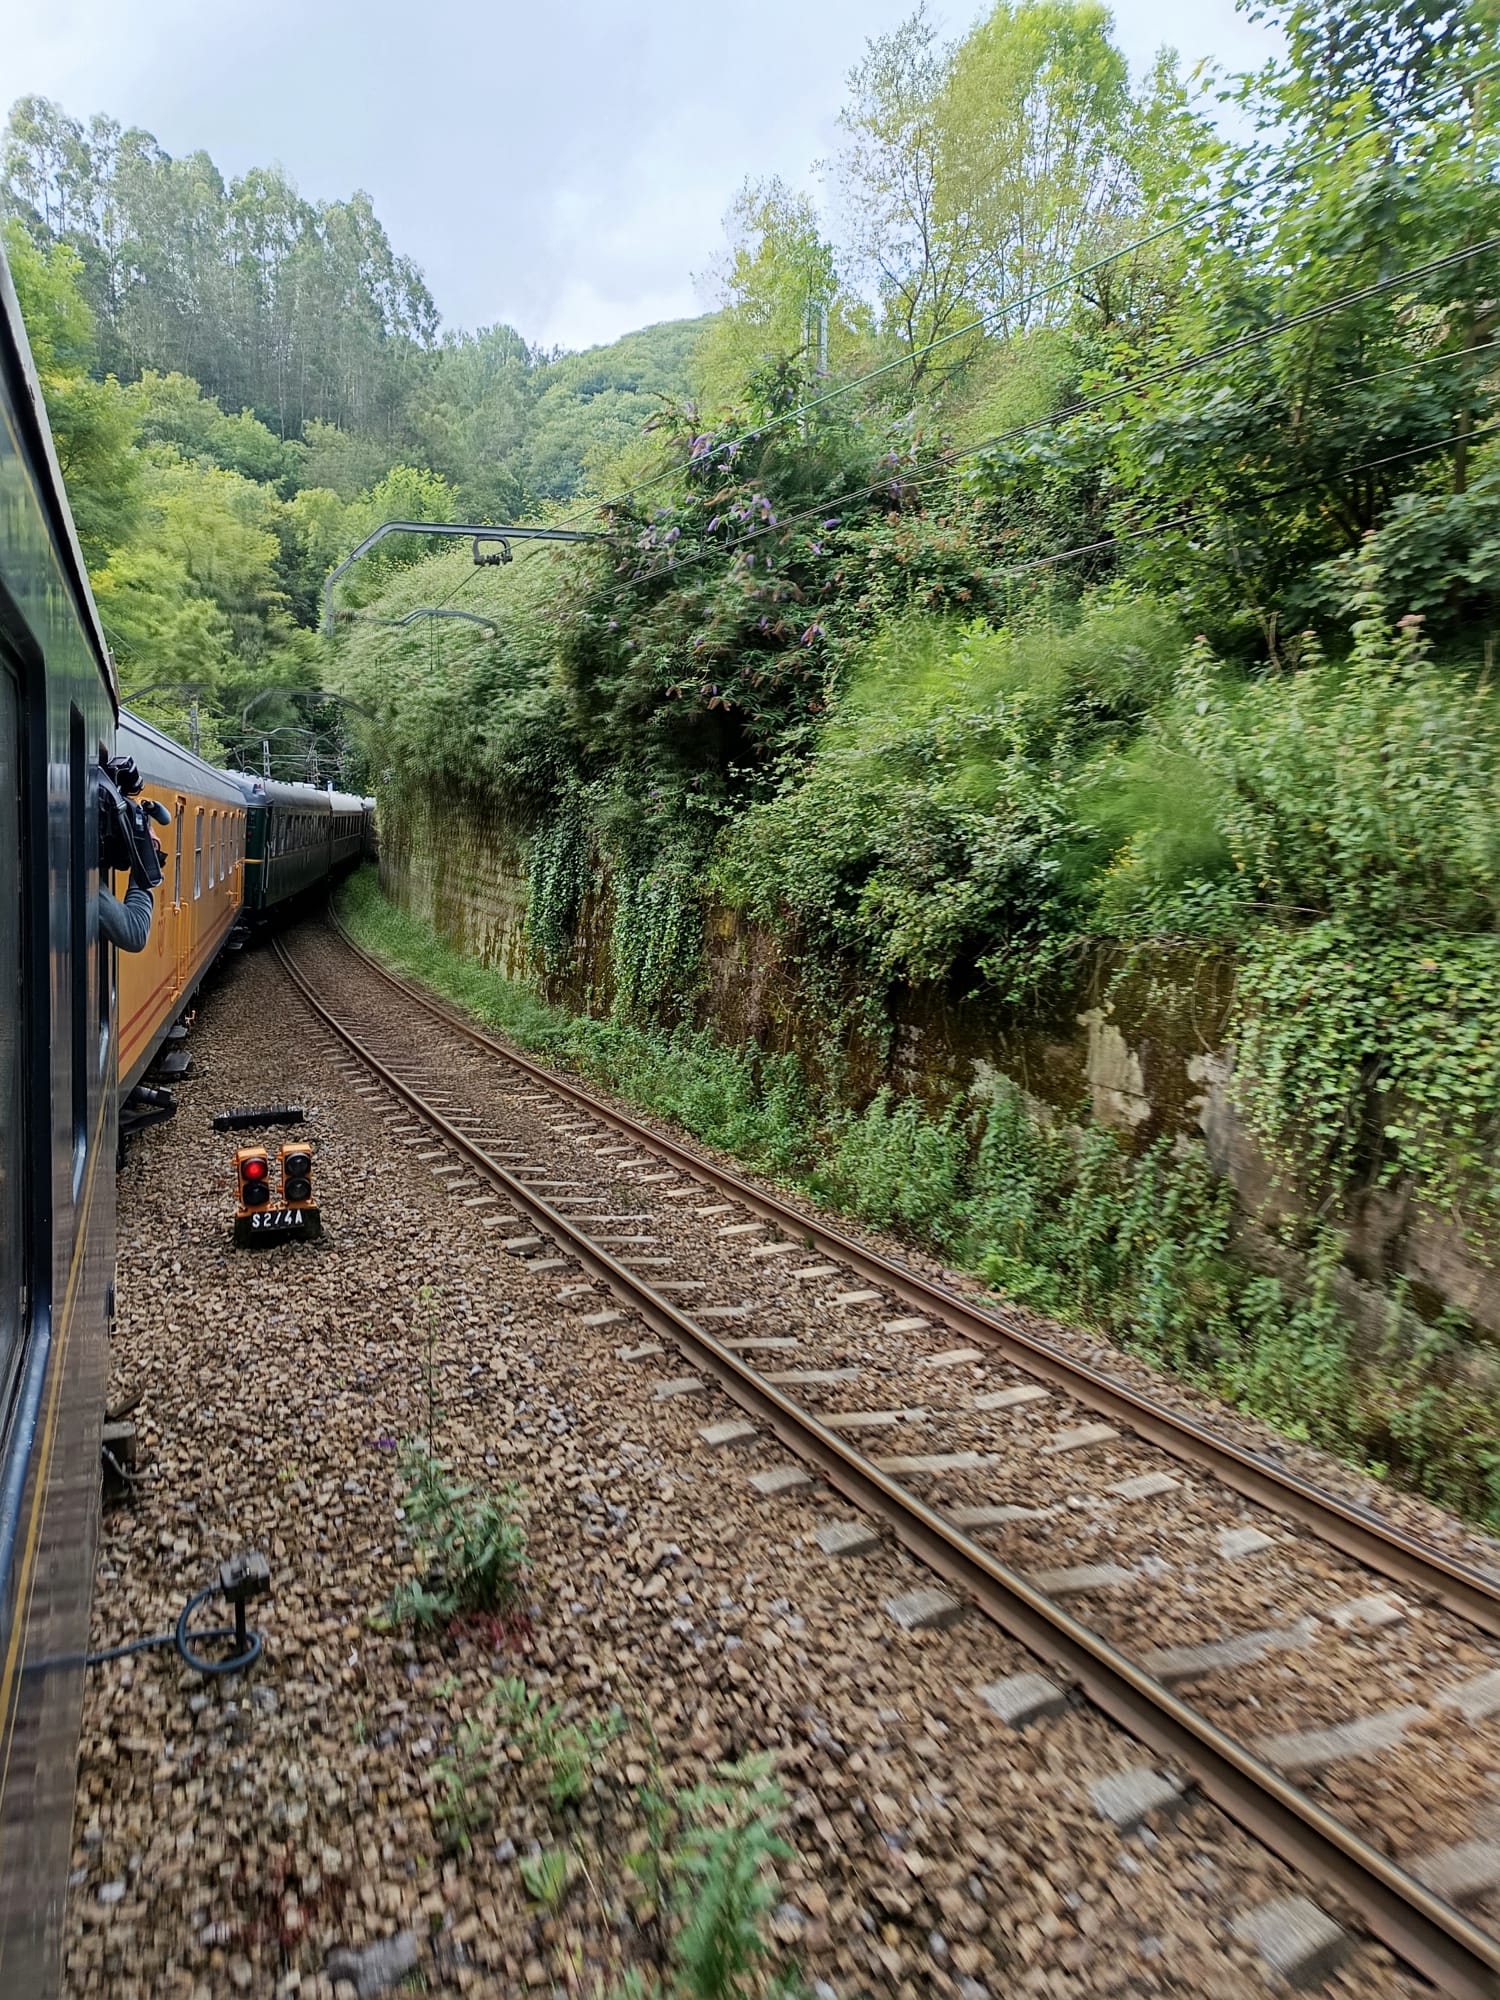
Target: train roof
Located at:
point(258, 791)
point(300, 798)
point(164, 763)
point(22, 405)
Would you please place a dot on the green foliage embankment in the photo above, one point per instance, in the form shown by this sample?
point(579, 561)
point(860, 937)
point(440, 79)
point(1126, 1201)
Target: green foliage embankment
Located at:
point(1159, 610)
point(1139, 1248)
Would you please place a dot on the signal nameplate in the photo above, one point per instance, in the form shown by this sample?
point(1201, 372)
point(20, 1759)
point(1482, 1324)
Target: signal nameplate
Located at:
point(267, 1224)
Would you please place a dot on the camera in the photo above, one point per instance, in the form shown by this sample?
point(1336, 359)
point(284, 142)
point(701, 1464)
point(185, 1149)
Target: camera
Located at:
point(125, 840)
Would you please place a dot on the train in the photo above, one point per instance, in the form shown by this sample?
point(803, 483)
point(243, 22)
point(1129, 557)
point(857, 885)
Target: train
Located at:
point(80, 1027)
point(238, 850)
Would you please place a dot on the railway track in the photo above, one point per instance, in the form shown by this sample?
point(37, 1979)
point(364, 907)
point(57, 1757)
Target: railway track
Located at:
point(1349, 1770)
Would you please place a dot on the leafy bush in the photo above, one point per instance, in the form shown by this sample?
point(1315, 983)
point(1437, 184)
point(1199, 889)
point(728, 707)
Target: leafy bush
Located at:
point(1358, 804)
point(474, 1544)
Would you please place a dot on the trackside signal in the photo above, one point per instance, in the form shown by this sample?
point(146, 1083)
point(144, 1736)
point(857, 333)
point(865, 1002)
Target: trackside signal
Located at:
point(257, 1218)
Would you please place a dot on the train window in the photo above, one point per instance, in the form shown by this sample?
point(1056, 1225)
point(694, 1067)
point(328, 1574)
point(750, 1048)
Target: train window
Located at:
point(198, 853)
point(213, 836)
point(79, 873)
point(177, 857)
point(223, 845)
point(13, 1121)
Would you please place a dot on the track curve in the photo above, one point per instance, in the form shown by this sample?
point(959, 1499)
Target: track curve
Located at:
point(1427, 1932)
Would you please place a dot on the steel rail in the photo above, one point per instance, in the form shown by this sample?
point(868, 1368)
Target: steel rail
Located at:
point(1352, 1529)
point(1425, 1932)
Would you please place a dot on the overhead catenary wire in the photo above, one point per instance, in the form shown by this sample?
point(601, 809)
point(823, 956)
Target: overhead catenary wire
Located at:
point(947, 460)
point(944, 463)
point(1287, 171)
point(1202, 514)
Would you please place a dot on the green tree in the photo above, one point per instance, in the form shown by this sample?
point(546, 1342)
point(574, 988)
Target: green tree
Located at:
point(1035, 117)
point(92, 422)
point(781, 295)
point(1238, 481)
point(972, 176)
point(291, 309)
point(159, 625)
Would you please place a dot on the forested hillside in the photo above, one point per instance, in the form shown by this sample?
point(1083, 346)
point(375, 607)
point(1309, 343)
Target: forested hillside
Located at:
point(243, 383)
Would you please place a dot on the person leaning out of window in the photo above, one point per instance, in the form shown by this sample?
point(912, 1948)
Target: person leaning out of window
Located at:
point(126, 845)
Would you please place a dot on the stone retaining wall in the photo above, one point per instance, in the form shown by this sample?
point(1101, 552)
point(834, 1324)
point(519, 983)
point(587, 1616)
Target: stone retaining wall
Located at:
point(1140, 1044)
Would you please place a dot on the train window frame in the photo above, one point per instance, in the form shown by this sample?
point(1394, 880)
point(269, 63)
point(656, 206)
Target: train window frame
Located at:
point(213, 831)
point(197, 853)
point(178, 816)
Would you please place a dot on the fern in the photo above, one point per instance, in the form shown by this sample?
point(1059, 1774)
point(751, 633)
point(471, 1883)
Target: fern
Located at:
point(724, 1880)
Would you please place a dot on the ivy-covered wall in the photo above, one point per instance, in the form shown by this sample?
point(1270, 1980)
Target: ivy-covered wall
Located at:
point(1136, 1042)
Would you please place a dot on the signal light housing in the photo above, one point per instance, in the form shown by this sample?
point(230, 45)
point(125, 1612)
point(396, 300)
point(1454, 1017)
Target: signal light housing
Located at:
point(296, 1175)
point(252, 1174)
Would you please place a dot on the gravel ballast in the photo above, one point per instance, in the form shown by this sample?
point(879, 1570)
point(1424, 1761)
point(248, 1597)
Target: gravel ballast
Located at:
point(272, 1833)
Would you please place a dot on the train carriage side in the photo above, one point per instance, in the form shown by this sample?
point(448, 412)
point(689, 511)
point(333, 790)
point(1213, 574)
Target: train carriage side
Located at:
point(297, 838)
point(57, 711)
point(199, 897)
point(347, 832)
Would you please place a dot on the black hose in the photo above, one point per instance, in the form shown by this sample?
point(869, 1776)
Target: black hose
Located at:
point(249, 1641)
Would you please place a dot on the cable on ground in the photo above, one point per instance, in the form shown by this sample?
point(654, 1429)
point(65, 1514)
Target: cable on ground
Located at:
point(245, 1577)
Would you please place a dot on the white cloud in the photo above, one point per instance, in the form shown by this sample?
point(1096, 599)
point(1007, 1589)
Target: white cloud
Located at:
point(565, 168)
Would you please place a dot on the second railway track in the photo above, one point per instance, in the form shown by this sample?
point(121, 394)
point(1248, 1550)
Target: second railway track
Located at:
point(1335, 1721)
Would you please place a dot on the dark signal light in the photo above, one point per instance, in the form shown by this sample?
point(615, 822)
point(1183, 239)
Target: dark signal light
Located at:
point(296, 1174)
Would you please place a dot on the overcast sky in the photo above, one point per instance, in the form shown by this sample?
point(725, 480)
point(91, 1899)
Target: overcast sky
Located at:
point(564, 165)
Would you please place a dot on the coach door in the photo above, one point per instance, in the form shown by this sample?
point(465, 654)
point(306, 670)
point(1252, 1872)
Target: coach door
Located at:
point(181, 926)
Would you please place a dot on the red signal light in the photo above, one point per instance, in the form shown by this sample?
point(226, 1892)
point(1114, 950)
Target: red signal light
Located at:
point(252, 1175)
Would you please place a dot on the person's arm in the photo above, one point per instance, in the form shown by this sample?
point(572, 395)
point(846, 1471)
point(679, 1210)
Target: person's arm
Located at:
point(127, 925)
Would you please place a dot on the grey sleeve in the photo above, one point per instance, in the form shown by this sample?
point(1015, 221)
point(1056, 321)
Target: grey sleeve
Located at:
point(127, 925)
